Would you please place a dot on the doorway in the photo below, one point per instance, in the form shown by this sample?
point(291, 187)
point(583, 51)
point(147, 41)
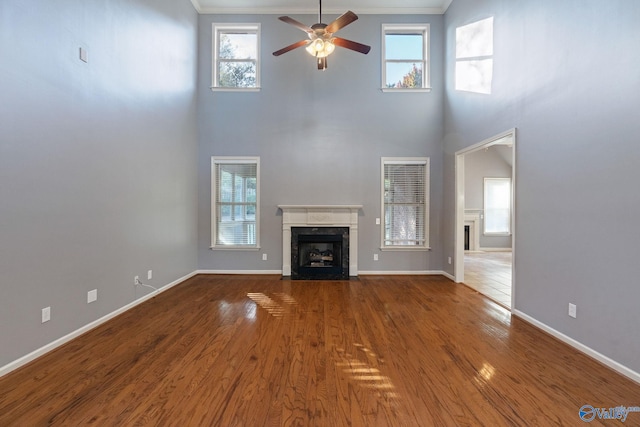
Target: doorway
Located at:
point(490, 256)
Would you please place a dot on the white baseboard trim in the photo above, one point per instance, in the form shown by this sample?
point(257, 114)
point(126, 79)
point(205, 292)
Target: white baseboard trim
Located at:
point(618, 367)
point(65, 339)
point(494, 250)
point(247, 272)
point(404, 273)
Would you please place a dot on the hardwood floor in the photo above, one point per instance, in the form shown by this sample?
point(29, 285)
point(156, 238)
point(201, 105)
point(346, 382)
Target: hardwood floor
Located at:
point(490, 274)
point(257, 350)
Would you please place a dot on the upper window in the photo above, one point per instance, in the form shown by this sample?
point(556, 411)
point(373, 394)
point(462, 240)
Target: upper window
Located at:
point(405, 57)
point(405, 203)
point(236, 53)
point(497, 206)
point(474, 56)
point(235, 202)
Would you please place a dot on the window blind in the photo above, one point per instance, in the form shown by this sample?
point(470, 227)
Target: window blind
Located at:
point(405, 203)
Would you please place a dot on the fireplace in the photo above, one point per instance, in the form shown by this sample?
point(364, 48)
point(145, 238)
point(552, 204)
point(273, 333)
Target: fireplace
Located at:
point(320, 253)
point(315, 221)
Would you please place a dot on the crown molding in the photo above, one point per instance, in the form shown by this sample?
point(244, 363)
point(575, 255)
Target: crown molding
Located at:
point(314, 11)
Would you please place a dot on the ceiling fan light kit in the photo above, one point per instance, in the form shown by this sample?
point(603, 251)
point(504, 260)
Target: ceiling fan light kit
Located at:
point(321, 41)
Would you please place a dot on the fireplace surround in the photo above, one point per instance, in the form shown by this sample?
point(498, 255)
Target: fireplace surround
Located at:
point(322, 218)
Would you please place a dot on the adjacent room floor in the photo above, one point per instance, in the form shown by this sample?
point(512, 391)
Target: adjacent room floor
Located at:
point(490, 274)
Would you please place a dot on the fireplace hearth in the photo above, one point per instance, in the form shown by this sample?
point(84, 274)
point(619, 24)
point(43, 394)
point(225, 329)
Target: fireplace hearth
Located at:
point(319, 253)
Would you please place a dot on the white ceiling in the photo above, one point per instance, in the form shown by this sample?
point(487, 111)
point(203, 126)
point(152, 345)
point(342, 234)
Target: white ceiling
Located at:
point(292, 7)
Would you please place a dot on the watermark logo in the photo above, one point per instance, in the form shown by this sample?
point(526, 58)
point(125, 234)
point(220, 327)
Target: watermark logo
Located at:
point(588, 413)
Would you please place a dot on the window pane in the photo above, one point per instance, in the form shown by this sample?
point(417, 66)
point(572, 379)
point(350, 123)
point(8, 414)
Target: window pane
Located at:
point(225, 187)
point(225, 213)
point(238, 46)
point(474, 76)
point(404, 46)
point(497, 205)
point(404, 75)
point(235, 218)
point(237, 74)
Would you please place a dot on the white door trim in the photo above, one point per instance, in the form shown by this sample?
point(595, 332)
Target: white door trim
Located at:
point(508, 136)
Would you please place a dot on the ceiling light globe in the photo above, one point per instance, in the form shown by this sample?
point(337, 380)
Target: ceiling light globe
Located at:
point(329, 48)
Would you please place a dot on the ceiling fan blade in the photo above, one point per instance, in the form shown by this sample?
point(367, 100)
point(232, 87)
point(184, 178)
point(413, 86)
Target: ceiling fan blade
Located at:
point(342, 21)
point(358, 47)
point(291, 47)
point(296, 24)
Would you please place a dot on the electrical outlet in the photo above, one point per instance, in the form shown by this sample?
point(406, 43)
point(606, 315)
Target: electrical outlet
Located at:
point(46, 314)
point(136, 280)
point(92, 296)
point(149, 274)
point(449, 260)
point(573, 310)
point(264, 257)
point(375, 257)
point(84, 55)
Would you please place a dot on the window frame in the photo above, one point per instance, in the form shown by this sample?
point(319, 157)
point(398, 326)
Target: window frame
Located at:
point(420, 28)
point(243, 160)
point(426, 202)
point(231, 28)
point(485, 210)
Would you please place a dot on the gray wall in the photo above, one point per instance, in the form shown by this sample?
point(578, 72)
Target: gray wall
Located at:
point(320, 136)
point(97, 159)
point(493, 162)
point(566, 76)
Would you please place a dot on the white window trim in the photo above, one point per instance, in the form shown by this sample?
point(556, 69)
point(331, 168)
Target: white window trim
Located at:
point(234, 160)
point(248, 27)
point(425, 29)
point(427, 202)
point(484, 201)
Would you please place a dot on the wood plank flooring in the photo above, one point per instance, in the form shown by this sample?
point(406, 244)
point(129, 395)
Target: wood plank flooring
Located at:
point(490, 274)
point(260, 351)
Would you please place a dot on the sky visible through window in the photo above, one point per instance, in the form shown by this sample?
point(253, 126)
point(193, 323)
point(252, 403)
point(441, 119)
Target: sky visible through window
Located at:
point(405, 47)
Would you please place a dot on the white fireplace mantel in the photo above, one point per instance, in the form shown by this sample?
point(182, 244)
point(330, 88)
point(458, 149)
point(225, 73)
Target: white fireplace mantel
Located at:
point(320, 216)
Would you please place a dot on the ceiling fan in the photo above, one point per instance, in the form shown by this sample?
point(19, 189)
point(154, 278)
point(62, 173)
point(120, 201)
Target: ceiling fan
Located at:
point(321, 41)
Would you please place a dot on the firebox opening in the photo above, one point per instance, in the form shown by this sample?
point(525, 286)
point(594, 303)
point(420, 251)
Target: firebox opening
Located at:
point(320, 253)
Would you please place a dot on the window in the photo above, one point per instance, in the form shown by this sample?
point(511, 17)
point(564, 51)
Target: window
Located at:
point(405, 57)
point(405, 203)
point(497, 206)
point(235, 202)
point(235, 57)
point(474, 57)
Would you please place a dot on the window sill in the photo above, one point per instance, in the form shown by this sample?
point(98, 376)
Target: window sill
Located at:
point(405, 248)
point(234, 89)
point(401, 90)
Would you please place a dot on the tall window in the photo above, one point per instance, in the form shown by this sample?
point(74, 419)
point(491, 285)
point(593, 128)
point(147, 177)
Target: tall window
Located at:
point(235, 202)
point(497, 206)
point(405, 203)
point(236, 56)
point(474, 56)
point(405, 57)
